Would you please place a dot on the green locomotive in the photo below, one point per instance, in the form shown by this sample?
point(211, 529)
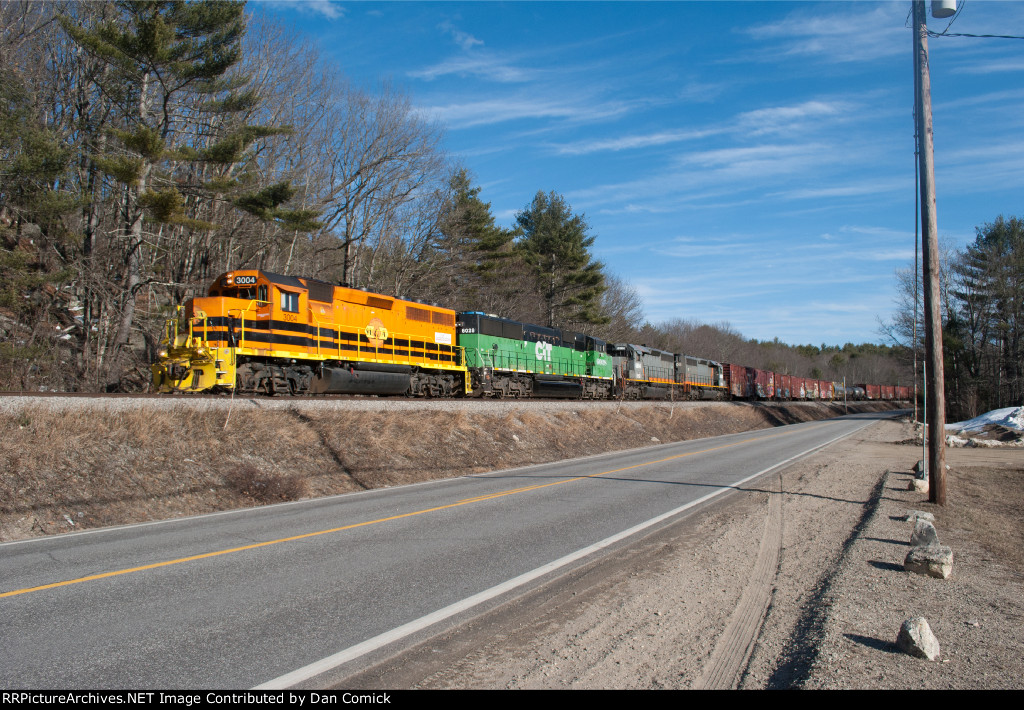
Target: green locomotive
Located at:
point(507, 358)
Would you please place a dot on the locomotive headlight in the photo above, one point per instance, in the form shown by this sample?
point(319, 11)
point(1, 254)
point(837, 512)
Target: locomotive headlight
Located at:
point(161, 353)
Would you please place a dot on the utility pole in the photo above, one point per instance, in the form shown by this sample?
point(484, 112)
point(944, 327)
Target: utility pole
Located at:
point(934, 385)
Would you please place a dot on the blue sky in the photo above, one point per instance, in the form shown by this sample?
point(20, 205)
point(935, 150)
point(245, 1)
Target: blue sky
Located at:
point(746, 162)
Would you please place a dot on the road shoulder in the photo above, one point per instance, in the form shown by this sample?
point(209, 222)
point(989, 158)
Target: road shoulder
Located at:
point(652, 615)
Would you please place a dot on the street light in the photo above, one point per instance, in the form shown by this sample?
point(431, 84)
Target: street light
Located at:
point(941, 9)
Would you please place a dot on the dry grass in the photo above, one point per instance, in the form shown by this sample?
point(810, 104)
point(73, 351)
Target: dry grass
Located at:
point(265, 487)
point(98, 467)
point(986, 504)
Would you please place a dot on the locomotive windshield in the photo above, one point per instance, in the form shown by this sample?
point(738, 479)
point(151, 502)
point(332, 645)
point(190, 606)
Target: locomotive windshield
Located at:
point(247, 293)
point(250, 292)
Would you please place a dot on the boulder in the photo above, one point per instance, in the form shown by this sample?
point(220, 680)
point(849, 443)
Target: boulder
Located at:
point(932, 560)
point(924, 534)
point(914, 515)
point(916, 639)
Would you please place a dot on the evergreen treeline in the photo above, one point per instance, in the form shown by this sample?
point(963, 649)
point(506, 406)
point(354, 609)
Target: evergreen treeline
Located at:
point(148, 146)
point(982, 293)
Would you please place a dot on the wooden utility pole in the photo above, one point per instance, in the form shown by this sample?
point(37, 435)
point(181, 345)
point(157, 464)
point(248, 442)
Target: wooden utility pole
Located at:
point(935, 410)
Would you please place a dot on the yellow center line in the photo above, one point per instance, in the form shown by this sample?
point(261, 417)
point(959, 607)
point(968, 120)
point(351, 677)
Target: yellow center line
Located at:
point(488, 496)
point(465, 501)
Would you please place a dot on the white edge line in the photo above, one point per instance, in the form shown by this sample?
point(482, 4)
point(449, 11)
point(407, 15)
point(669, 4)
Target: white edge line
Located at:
point(312, 670)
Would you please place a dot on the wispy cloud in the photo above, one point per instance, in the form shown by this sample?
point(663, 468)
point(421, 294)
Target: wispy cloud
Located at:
point(881, 232)
point(490, 66)
point(475, 113)
point(635, 141)
point(327, 8)
point(700, 92)
point(512, 108)
point(463, 39)
point(637, 209)
point(990, 68)
point(993, 151)
point(856, 189)
point(855, 34)
point(758, 162)
point(1000, 100)
point(779, 119)
point(794, 119)
point(485, 67)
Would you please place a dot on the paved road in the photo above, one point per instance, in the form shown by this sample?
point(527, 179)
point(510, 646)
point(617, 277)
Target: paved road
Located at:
point(264, 595)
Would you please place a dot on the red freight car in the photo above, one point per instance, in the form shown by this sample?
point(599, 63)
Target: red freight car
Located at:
point(783, 386)
point(812, 387)
point(826, 390)
point(764, 384)
point(739, 380)
point(871, 391)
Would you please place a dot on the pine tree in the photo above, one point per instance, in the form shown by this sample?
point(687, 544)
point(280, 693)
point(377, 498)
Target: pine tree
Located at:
point(175, 147)
point(555, 243)
point(32, 163)
point(989, 322)
point(33, 234)
point(479, 257)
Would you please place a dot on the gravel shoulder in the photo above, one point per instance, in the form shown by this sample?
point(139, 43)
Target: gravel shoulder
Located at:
point(658, 614)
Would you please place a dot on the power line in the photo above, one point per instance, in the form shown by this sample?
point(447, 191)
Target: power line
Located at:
point(964, 34)
point(946, 33)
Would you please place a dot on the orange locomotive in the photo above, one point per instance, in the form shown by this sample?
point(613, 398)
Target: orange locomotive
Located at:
point(260, 332)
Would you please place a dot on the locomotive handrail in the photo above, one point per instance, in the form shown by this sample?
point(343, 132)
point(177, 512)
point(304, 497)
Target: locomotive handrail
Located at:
point(241, 317)
point(317, 321)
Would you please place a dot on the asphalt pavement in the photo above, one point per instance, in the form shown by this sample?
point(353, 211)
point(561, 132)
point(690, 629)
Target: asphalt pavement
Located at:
point(278, 595)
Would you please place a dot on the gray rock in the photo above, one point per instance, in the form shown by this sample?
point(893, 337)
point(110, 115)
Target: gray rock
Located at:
point(916, 639)
point(932, 560)
point(924, 534)
point(918, 484)
point(914, 515)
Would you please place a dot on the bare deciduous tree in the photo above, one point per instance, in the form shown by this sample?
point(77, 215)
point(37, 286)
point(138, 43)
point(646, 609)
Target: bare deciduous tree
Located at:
point(384, 157)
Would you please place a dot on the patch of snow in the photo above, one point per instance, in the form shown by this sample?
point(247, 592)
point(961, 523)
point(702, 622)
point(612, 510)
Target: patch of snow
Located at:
point(1009, 417)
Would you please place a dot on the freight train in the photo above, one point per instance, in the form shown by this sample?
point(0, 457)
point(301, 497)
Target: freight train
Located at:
point(258, 332)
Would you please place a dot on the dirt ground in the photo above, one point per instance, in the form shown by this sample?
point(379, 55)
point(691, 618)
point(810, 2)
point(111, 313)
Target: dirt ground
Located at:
point(795, 581)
